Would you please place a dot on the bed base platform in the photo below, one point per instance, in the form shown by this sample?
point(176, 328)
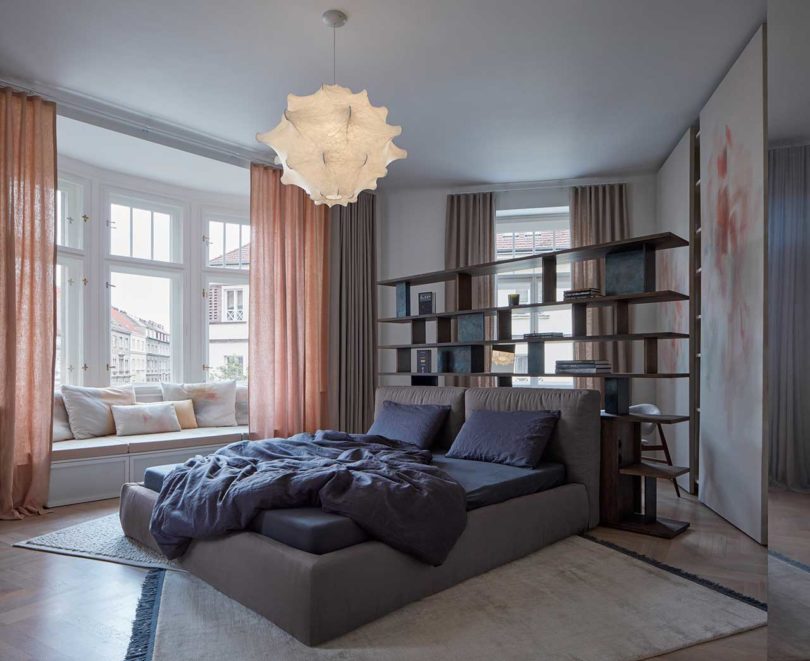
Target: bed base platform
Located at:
point(316, 598)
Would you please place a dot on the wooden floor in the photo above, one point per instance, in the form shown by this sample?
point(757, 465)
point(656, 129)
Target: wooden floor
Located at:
point(60, 607)
point(788, 587)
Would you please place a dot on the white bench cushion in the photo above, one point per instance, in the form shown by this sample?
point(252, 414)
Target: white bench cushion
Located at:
point(105, 446)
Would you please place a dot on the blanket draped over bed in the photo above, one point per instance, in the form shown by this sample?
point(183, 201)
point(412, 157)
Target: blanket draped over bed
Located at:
point(387, 487)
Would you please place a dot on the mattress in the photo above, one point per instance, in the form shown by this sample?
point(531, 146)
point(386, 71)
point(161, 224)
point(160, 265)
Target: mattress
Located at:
point(315, 531)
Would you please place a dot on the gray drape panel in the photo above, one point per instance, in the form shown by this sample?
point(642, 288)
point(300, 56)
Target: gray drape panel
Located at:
point(469, 238)
point(788, 355)
point(352, 315)
point(598, 215)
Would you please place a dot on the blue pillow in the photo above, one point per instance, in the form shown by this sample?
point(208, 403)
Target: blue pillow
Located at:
point(413, 423)
point(515, 438)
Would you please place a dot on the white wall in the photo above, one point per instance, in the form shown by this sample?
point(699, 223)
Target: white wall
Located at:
point(674, 198)
point(411, 230)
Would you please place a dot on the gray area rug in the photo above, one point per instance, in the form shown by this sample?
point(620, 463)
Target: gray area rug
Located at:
point(788, 609)
point(577, 600)
point(98, 539)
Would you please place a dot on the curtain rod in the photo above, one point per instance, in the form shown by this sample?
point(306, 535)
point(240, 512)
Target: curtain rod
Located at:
point(122, 120)
point(550, 183)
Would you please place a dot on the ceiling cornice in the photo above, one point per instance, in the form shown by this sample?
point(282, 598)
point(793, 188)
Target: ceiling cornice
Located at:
point(116, 118)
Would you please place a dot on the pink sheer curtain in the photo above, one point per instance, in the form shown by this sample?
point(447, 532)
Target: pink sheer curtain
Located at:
point(27, 300)
point(289, 307)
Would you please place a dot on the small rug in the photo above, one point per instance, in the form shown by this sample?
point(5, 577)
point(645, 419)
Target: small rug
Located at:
point(98, 539)
point(579, 599)
point(789, 608)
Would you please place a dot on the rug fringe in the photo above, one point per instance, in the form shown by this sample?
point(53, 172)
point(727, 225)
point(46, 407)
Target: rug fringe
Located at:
point(143, 626)
point(722, 589)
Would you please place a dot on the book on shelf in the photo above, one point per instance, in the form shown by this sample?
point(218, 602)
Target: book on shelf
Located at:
point(583, 366)
point(575, 294)
point(534, 336)
point(423, 361)
point(426, 302)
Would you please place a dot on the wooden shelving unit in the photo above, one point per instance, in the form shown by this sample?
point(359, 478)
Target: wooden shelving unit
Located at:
point(460, 334)
point(630, 267)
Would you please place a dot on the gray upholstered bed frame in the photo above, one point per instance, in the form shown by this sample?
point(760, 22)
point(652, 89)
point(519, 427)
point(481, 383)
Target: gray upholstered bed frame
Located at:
point(318, 597)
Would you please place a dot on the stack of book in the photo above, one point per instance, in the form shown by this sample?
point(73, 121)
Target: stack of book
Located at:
point(578, 294)
point(583, 367)
point(535, 336)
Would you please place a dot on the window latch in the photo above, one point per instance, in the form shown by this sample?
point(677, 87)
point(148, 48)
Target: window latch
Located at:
point(206, 367)
point(84, 367)
point(85, 281)
point(85, 217)
point(109, 285)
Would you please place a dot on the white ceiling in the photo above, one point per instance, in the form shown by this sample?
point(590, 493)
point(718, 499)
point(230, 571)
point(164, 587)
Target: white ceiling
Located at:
point(788, 71)
point(124, 153)
point(486, 91)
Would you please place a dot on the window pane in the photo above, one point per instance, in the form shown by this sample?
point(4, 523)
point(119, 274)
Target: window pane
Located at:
point(162, 237)
point(69, 210)
point(140, 329)
point(142, 233)
point(61, 208)
point(119, 230)
point(232, 247)
point(60, 369)
point(245, 246)
point(216, 245)
point(227, 331)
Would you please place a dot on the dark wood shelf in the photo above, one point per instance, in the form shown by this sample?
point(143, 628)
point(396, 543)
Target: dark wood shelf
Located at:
point(567, 338)
point(659, 241)
point(624, 375)
point(664, 296)
point(661, 418)
point(649, 469)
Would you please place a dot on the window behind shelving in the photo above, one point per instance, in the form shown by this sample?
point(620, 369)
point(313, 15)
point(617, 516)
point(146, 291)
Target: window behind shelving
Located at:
point(520, 233)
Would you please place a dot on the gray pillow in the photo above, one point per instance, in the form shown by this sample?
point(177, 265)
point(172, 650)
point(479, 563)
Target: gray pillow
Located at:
point(413, 423)
point(515, 438)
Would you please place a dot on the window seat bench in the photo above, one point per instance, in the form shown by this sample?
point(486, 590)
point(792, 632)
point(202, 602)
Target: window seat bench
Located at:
point(89, 469)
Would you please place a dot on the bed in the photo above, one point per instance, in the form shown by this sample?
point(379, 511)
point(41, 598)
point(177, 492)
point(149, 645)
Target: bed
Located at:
point(318, 575)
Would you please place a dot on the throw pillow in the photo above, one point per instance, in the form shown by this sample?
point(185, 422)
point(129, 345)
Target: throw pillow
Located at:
point(516, 438)
point(214, 403)
point(89, 411)
point(152, 418)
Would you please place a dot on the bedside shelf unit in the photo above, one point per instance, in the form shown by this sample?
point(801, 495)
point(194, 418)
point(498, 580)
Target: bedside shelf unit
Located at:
point(630, 280)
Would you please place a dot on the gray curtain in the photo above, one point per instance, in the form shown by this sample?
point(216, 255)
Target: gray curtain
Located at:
point(788, 355)
point(352, 315)
point(470, 239)
point(598, 215)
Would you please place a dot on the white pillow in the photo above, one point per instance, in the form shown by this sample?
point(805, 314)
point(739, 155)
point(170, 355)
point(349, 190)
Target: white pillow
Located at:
point(89, 408)
point(152, 418)
point(61, 424)
point(214, 403)
point(241, 405)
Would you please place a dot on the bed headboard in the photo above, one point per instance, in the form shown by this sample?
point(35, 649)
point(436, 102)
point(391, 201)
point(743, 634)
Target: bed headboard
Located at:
point(576, 439)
